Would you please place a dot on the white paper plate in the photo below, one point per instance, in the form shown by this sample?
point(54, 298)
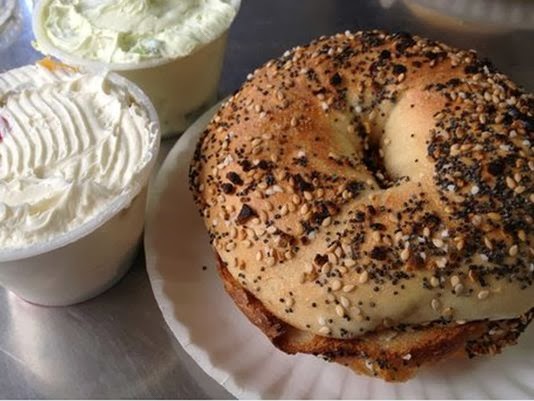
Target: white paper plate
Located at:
point(238, 356)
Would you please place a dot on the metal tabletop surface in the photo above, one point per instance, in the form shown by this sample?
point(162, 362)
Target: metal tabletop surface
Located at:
point(117, 345)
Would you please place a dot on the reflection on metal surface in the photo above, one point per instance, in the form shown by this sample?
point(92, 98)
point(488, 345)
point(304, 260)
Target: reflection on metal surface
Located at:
point(10, 22)
point(116, 346)
point(475, 15)
point(28, 341)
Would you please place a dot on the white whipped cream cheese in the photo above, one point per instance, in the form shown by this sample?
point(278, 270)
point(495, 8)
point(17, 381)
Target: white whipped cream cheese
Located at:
point(129, 31)
point(69, 145)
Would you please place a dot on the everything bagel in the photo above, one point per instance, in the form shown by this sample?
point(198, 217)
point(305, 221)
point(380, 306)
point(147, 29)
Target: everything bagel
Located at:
point(370, 198)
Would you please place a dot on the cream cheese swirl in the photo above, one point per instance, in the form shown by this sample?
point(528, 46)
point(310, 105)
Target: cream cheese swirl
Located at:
point(69, 145)
point(129, 31)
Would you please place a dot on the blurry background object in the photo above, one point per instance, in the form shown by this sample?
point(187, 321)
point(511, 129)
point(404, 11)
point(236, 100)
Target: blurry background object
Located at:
point(10, 22)
point(475, 15)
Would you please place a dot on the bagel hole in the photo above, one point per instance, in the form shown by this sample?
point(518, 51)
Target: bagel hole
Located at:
point(374, 161)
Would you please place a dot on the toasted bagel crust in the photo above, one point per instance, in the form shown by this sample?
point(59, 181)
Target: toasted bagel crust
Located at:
point(394, 355)
point(367, 181)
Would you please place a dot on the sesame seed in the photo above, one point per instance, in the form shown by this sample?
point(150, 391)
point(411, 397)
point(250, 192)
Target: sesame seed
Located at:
point(375, 235)
point(405, 254)
point(321, 320)
point(325, 269)
point(324, 330)
point(510, 182)
point(513, 250)
point(458, 289)
point(233, 232)
point(340, 311)
point(336, 285)
point(483, 294)
point(441, 262)
point(435, 304)
point(344, 301)
point(434, 281)
point(332, 258)
point(437, 242)
point(348, 288)
point(357, 311)
point(349, 262)
point(455, 280)
point(364, 277)
point(259, 256)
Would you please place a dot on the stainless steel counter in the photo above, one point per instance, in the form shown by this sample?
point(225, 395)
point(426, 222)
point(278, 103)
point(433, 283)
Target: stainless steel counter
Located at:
point(117, 345)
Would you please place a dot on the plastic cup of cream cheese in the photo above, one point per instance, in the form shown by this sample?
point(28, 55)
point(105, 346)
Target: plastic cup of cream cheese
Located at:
point(76, 154)
point(172, 49)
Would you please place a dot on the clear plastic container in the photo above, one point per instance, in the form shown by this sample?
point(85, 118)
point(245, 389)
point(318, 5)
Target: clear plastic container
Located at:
point(84, 262)
point(181, 89)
